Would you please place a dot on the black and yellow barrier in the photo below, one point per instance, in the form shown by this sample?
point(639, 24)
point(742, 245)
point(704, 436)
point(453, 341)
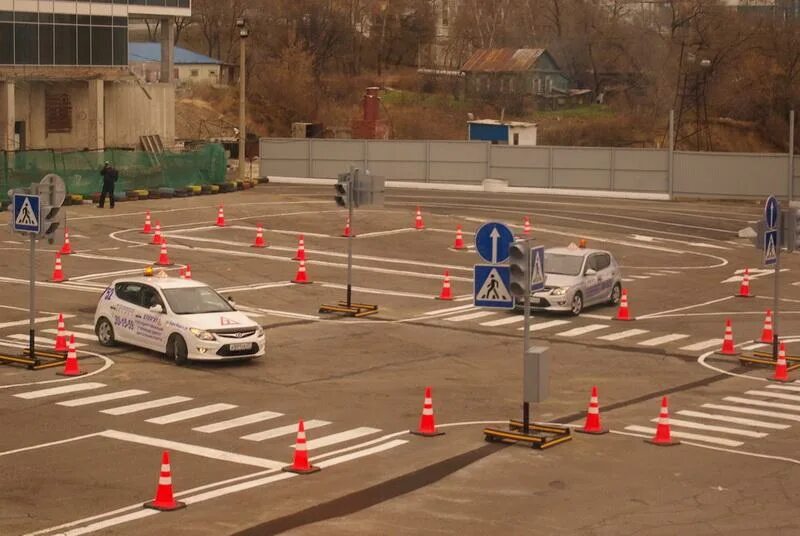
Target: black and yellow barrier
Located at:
point(540, 436)
point(355, 309)
point(42, 359)
point(761, 358)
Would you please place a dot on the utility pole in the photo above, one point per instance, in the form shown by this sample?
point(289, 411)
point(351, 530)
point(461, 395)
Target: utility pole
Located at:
point(241, 23)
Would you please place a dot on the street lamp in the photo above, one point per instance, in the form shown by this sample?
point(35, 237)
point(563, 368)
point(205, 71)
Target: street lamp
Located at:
point(241, 23)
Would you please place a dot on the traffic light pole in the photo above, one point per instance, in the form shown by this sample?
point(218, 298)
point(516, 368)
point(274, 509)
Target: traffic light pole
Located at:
point(32, 304)
point(775, 305)
point(350, 198)
point(526, 344)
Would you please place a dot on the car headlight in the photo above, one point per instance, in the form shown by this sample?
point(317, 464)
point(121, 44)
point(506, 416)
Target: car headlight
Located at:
point(202, 334)
point(560, 291)
point(259, 331)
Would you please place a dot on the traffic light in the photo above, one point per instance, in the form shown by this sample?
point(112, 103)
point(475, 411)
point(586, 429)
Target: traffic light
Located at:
point(519, 265)
point(343, 187)
point(791, 229)
point(368, 189)
point(54, 219)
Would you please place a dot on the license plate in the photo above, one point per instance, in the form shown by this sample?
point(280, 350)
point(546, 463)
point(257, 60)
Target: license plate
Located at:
point(238, 346)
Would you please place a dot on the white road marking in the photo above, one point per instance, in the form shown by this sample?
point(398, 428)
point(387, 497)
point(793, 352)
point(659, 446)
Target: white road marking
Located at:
point(191, 413)
point(283, 430)
point(704, 345)
point(385, 233)
point(133, 408)
point(341, 437)
point(266, 231)
point(753, 346)
point(713, 428)
point(470, 316)
point(784, 387)
point(762, 403)
point(664, 339)
point(381, 291)
point(102, 398)
point(686, 435)
point(671, 272)
point(639, 276)
point(37, 320)
point(734, 420)
point(449, 309)
point(43, 340)
point(50, 444)
point(679, 309)
point(246, 288)
point(627, 280)
point(782, 396)
point(623, 334)
point(361, 453)
point(52, 391)
point(238, 421)
point(78, 334)
point(546, 325)
point(511, 319)
point(654, 274)
point(596, 317)
point(574, 332)
point(750, 411)
point(85, 326)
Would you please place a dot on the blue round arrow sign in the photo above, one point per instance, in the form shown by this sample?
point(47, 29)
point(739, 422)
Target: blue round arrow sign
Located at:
point(771, 210)
point(492, 241)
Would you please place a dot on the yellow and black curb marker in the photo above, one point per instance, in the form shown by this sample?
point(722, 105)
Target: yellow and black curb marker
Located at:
point(42, 360)
point(767, 361)
point(540, 436)
point(356, 309)
point(789, 358)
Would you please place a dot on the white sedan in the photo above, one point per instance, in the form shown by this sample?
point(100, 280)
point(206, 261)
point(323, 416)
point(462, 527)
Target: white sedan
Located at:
point(184, 319)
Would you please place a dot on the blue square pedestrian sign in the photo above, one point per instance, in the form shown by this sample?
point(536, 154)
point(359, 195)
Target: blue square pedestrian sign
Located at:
point(771, 247)
point(27, 215)
point(491, 284)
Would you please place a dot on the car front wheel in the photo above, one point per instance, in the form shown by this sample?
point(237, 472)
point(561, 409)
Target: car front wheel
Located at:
point(577, 304)
point(177, 350)
point(105, 332)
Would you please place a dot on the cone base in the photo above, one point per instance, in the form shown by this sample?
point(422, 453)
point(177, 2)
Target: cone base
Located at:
point(71, 374)
point(258, 246)
point(68, 252)
point(662, 443)
point(155, 243)
point(296, 258)
point(296, 282)
point(453, 248)
point(787, 380)
point(630, 318)
point(762, 341)
point(146, 232)
point(744, 295)
point(594, 431)
point(734, 353)
point(450, 298)
point(219, 224)
point(300, 471)
point(420, 228)
point(61, 350)
point(347, 235)
point(174, 505)
point(58, 280)
point(426, 434)
point(163, 264)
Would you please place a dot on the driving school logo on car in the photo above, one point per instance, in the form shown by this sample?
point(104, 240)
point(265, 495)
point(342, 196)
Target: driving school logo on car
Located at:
point(227, 321)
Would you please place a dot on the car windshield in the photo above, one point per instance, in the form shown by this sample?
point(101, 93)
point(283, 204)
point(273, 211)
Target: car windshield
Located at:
point(196, 300)
point(562, 264)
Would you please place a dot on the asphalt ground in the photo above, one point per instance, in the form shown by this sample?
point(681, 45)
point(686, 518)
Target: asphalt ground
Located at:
point(80, 468)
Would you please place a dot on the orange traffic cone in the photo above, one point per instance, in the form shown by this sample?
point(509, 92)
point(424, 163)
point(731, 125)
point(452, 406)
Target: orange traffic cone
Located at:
point(66, 249)
point(526, 227)
point(157, 236)
point(71, 364)
point(766, 332)
point(447, 292)
point(781, 373)
point(58, 272)
point(61, 337)
point(147, 229)
point(744, 288)
point(727, 342)
point(663, 437)
point(459, 243)
point(623, 313)
point(164, 501)
point(418, 223)
point(182, 273)
point(347, 231)
point(592, 424)
point(301, 249)
point(259, 243)
point(220, 217)
point(188, 272)
point(300, 462)
point(427, 425)
point(163, 258)
point(301, 276)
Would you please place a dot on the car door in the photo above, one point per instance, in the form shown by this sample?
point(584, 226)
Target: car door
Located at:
point(123, 310)
point(605, 275)
point(150, 324)
point(592, 282)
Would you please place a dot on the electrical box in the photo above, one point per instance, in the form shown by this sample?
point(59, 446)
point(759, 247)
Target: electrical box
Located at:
point(536, 374)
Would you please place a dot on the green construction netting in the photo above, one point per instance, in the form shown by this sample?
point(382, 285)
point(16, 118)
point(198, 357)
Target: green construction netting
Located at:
point(137, 169)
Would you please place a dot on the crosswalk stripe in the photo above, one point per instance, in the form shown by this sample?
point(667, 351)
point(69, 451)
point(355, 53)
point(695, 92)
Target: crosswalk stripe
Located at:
point(191, 413)
point(43, 340)
point(341, 437)
point(671, 272)
point(504, 321)
point(640, 276)
point(750, 411)
point(238, 421)
point(784, 387)
point(85, 326)
point(284, 430)
point(37, 320)
point(770, 394)
point(686, 435)
point(52, 391)
point(574, 332)
point(623, 334)
point(762, 403)
point(663, 340)
point(133, 408)
point(753, 346)
point(735, 420)
point(470, 316)
point(360, 453)
point(710, 343)
point(713, 428)
point(546, 325)
point(101, 398)
point(78, 334)
point(627, 280)
point(656, 274)
point(449, 309)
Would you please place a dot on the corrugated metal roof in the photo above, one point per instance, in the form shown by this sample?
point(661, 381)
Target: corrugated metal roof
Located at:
point(503, 60)
point(147, 52)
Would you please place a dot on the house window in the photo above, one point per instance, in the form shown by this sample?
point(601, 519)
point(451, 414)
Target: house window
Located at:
point(57, 113)
point(195, 73)
point(538, 85)
point(516, 138)
point(212, 74)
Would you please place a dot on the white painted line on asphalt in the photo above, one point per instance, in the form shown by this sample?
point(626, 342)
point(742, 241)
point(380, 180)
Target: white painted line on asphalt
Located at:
point(704, 345)
point(686, 435)
point(283, 430)
point(102, 398)
point(671, 272)
point(361, 453)
point(197, 450)
point(100, 525)
point(191, 413)
point(664, 339)
point(238, 421)
point(655, 274)
point(546, 325)
point(360, 445)
point(49, 444)
point(782, 396)
point(734, 420)
point(53, 391)
point(78, 334)
point(639, 276)
point(784, 387)
point(37, 320)
point(762, 403)
point(753, 346)
point(47, 284)
point(43, 340)
point(341, 437)
point(679, 309)
point(385, 233)
point(750, 411)
point(624, 334)
point(85, 326)
point(504, 321)
point(470, 316)
point(133, 408)
point(381, 291)
point(253, 229)
point(263, 286)
point(712, 428)
point(596, 317)
point(582, 330)
point(284, 314)
point(449, 309)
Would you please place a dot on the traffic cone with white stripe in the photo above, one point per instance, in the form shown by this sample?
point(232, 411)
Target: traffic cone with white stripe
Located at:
point(459, 243)
point(188, 273)
point(447, 292)
point(147, 229)
point(727, 342)
point(157, 238)
point(592, 424)
point(71, 364)
point(347, 231)
point(744, 288)
point(427, 424)
point(163, 258)
point(220, 217)
point(66, 249)
point(58, 271)
point(165, 500)
point(301, 249)
point(419, 225)
point(301, 277)
point(61, 337)
point(781, 372)
point(766, 332)
point(623, 313)
point(663, 435)
point(300, 463)
point(526, 227)
point(182, 273)
point(259, 243)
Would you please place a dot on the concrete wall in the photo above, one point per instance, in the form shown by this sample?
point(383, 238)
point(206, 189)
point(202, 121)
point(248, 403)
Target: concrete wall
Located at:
point(30, 106)
point(130, 114)
point(730, 174)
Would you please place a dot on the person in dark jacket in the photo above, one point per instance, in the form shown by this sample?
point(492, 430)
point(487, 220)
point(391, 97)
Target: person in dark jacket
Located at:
point(110, 175)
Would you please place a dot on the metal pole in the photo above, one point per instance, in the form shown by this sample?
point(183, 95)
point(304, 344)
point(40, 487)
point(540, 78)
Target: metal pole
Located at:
point(775, 301)
point(671, 159)
point(242, 135)
point(526, 343)
point(791, 157)
point(32, 304)
point(350, 196)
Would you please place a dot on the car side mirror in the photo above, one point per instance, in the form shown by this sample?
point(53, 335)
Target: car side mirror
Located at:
point(589, 271)
point(157, 308)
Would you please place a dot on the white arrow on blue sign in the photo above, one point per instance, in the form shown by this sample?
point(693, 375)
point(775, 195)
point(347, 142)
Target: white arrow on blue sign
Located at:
point(492, 240)
point(771, 211)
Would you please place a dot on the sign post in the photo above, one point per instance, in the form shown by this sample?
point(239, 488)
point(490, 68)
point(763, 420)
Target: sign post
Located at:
point(27, 219)
point(772, 257)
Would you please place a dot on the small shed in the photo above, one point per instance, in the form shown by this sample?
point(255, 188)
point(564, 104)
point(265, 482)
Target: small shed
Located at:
point(502, 132)
point(190, 67)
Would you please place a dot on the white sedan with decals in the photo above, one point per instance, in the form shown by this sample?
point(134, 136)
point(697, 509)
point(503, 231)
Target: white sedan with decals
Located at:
point(183, 319)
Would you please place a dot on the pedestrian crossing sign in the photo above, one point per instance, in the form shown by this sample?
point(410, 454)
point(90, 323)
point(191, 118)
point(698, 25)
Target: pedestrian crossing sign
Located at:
point(491, 284)
point(537, 268)
point(26, 217)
